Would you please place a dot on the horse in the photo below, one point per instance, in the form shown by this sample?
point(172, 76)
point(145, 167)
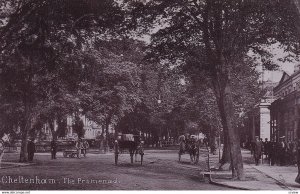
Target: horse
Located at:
point(129, 142)
point(3, 140)
point(191, 146)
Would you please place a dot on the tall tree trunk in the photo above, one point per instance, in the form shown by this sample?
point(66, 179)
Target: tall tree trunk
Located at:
point(101, 147)
point(53, 132)
point(25, 130)
point(233, 135)
point(226, 151)
point(226, 109)
point(103, 130)
point(106, 146)
point(23, 152)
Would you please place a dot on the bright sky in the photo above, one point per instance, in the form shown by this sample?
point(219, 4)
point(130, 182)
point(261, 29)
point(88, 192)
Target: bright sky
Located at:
point(275, 76)
point(288, 67)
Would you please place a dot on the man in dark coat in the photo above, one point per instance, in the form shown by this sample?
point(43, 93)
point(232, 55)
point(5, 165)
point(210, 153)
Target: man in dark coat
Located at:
point(257, 150)
point(30, 150)
point(272, 152)
point(266, 144)
point(53, 149)
point(282, 151)
point(298, 161)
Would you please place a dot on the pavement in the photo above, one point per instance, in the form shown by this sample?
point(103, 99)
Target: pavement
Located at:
point(5, 165)
point(159, 167)
point(261, 177)
point(161, 170)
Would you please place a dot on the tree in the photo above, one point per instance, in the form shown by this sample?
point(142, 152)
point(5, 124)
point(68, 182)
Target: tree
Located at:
point(41, 42)
point(113, 90)
point(215, 37)
point(78, 127)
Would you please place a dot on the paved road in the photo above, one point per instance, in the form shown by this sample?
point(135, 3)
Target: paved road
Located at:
point(161, 171)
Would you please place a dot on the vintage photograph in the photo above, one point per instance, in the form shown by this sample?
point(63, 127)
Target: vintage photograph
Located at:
point(150, 95)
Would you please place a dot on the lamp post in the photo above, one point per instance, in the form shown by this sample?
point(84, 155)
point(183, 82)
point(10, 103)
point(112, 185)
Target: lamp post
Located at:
point(159, 138)
point(159, 100)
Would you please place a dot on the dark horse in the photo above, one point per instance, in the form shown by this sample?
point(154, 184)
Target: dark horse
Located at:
point(131, 143)
point(190, 146)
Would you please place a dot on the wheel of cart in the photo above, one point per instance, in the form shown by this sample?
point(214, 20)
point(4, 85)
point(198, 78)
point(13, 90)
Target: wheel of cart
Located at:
point(128, 142)
point(70, 153)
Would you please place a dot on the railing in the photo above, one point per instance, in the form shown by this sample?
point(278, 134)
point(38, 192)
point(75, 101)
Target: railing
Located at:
point(11, 149)
point(167, 143)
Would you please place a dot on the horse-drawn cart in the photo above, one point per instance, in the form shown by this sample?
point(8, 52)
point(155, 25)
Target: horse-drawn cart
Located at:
point(71, 153)
point(190, 145)
point(130, 142)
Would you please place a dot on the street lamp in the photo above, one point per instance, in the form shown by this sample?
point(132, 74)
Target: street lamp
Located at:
point(159, 102)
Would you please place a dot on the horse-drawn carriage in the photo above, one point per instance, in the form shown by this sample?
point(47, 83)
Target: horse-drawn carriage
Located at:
point(191, 145)
point(130, 142)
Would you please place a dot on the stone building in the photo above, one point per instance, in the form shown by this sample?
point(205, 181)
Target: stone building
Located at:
point(257, 121)
point(285, 109)
point(92, 129)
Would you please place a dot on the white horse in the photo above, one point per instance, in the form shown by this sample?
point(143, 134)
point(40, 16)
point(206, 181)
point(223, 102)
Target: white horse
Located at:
point(3, 140)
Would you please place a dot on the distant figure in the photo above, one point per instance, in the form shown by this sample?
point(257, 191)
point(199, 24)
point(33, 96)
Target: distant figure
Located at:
point(257, 150)
point(53, 149)
point(289, 152)
point(85, 147)
point(298, 161)
point(30, 150)
point(266, 145)
point(272, 155)
point(1, 150)
point(294, 151)
point(4, 139)
point(79, 147)
point(282, 149)
point(182, 142)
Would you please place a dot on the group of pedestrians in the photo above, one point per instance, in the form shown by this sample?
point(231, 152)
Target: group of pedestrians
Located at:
point(81, 147)
point(280, 153)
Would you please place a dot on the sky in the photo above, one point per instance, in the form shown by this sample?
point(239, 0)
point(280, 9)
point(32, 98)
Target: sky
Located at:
point(287, 67)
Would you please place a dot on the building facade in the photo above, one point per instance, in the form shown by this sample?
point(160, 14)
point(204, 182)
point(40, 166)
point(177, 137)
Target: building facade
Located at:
point(91, 128)
point(285, 109)
point(257, 121)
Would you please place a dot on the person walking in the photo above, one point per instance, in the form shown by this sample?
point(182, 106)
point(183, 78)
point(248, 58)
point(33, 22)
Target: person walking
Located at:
point(30, 150)
point(297, 180)
point(282, 151)
point(85, 147)
point(53, 149)
point(257, 150)
point(272, 157)
point(79, 147)
point(294, 152)
point(266, 145)
point(289, 157)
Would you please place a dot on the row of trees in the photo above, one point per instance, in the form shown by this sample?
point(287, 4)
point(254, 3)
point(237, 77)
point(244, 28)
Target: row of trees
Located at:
point(65, 57)
point(213, 38)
